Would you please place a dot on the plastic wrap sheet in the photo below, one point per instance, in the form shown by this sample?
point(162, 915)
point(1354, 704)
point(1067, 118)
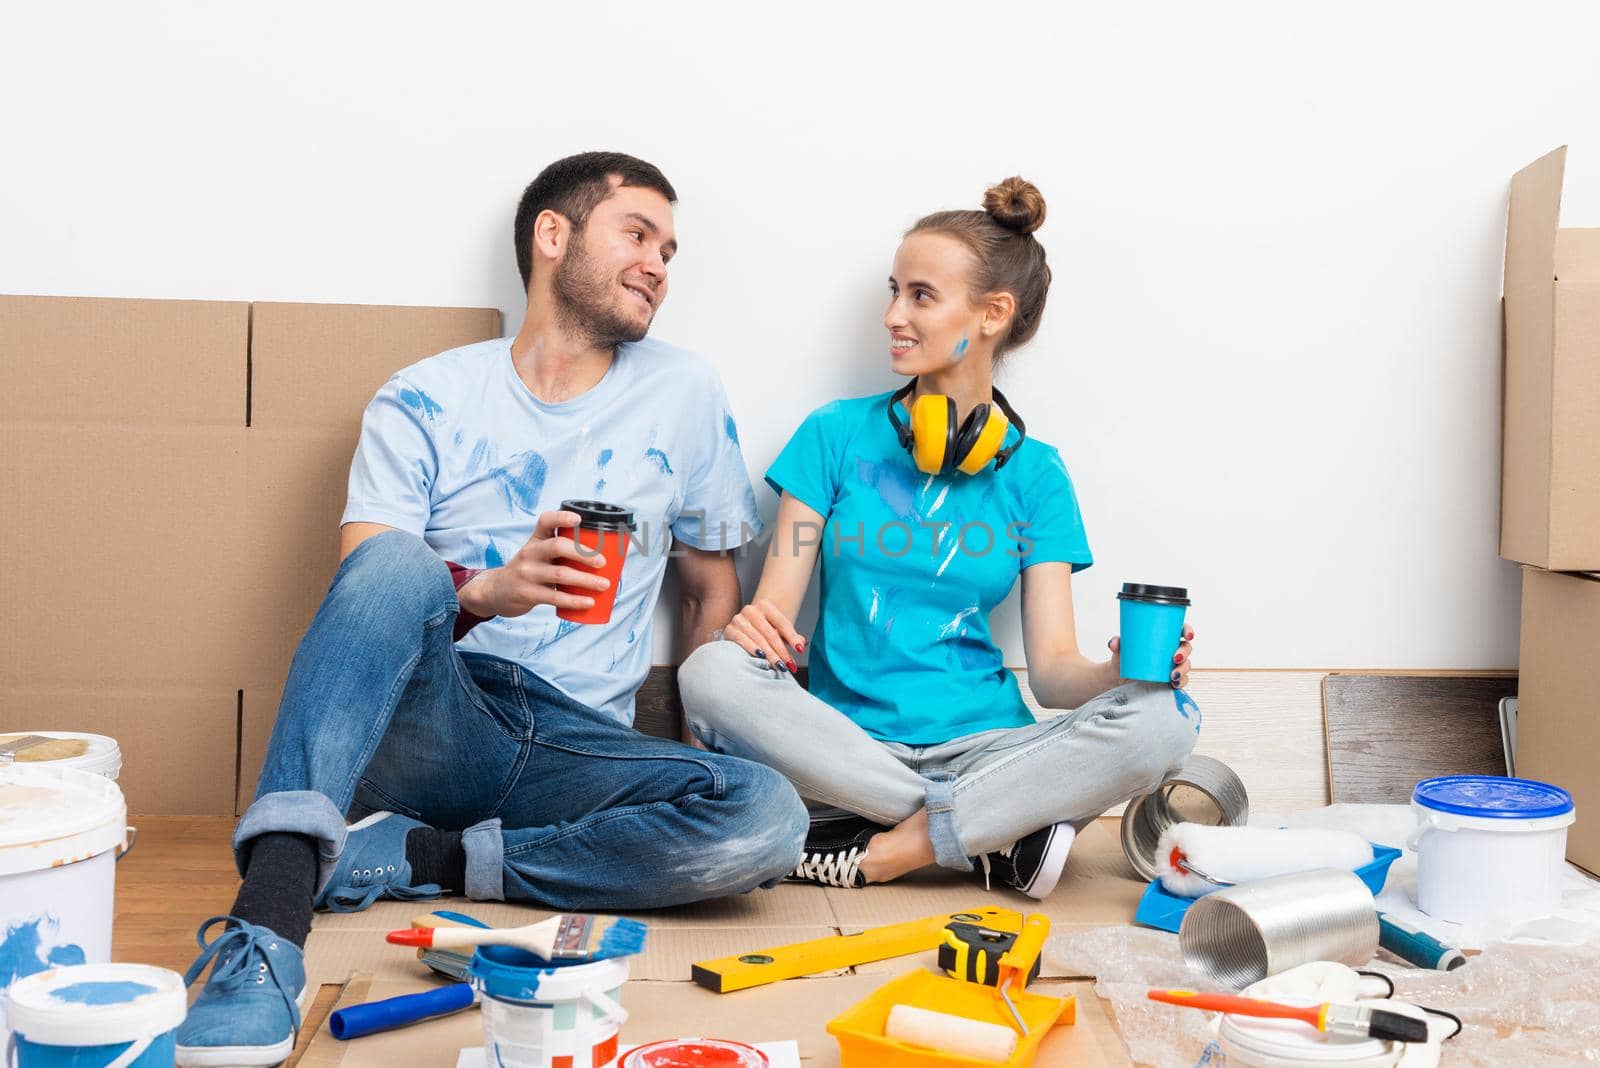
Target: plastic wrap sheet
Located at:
point(1126, 962)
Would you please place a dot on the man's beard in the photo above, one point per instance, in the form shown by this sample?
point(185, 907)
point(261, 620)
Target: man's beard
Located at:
point(585, 301)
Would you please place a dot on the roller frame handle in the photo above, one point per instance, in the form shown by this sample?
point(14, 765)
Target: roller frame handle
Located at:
point(385, 1015)
point(1416, 946)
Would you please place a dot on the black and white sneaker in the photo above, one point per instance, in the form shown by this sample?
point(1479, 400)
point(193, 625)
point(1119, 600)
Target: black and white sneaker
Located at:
point(1033, 863)
point(835, 862)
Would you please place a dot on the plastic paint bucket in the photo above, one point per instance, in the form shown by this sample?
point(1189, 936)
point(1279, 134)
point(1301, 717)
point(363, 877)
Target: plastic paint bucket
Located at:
point(1251, 1042)
point(99, 754)
point(1151, 628)
point(1489, 850)
point(60, 831)
point(542, 1015)
point(97, 1016)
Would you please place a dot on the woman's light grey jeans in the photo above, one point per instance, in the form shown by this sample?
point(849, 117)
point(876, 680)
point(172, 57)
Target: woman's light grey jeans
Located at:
point(982, 791)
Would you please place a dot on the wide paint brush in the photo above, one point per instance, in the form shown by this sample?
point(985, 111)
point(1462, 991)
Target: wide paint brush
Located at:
point(1352, 1021)
point(568, 938)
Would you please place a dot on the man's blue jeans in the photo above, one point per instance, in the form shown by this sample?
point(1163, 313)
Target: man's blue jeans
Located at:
point(561, 805)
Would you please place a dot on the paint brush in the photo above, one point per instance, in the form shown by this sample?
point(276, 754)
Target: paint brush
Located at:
point(571, 937)
point(1353, 1021)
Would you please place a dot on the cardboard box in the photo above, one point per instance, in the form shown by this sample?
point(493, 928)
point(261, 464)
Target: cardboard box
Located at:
point(173, 478)
point(1550, 469)
point(1558, 717)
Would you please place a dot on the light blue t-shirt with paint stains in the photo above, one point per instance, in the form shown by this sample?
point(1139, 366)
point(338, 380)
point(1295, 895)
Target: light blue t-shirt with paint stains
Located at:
point(912, 565)
point(457, 450)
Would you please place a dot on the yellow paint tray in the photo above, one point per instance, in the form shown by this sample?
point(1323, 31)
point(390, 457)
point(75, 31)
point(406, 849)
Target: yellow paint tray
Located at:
point(862, 1043)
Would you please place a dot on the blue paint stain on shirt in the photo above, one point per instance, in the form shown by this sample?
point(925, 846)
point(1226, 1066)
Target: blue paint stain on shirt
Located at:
point(604, 457)
point(895, 483)
point(730, 428)
point(110, 993)
point(563, 628)
point(660, 459)
point(22, 951)
point(491, 555)
point(419, 401)
point(522, 481)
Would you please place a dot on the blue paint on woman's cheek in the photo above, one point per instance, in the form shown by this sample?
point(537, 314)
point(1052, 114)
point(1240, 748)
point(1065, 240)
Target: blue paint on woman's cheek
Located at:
point(110, 993)
point(960, 351)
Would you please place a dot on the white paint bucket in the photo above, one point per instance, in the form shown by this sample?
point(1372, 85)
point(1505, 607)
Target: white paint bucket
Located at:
point(60, 832)
point(1490, 850)
point(101, 755)
point(97, 1016)
point(538, 1015)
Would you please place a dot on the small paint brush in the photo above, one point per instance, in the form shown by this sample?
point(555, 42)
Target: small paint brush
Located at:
point(570, 937)
point(1353, 1021)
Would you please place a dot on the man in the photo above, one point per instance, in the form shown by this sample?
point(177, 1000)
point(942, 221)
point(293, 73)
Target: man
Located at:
point(486, 743)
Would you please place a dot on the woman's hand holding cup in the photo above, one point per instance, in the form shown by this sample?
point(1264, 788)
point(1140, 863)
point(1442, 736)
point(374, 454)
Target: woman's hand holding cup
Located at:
point(762, 630)
point(531, 576)
point(1180, 659)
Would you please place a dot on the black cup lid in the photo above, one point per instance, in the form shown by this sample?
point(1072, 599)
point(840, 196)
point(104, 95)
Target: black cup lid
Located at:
point(1138, 591)
point(598, 515)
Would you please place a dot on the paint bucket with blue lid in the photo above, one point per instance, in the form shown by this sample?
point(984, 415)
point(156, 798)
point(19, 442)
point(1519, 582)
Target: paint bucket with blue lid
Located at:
point(96, 1016)
point(1490, 850)
point(1151, 626)
point(61, 830)
point(535, 1013)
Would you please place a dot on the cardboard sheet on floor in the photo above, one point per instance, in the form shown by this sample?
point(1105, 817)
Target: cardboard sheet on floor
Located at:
point(1097, 888)
point(798, 1010)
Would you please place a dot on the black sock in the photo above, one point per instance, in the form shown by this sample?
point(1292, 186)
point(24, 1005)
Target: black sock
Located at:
point(437, 857)
point(280, 879)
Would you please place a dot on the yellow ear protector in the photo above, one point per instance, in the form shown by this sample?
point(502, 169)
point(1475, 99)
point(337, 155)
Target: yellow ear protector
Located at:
point(939, 446)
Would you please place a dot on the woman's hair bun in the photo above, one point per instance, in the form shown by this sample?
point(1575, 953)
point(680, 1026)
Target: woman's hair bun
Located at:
point(1016, 204)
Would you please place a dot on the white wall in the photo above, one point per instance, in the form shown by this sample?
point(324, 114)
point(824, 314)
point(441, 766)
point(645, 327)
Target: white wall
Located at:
point(1271, 357)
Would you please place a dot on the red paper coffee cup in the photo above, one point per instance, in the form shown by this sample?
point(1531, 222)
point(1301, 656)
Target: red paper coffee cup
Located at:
point(602, 530)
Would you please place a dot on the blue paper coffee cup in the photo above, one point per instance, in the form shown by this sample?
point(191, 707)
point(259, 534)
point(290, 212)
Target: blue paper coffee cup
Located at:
point(1152, 627)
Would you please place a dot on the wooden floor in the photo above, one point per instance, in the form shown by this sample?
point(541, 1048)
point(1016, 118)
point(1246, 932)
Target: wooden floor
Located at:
point(179, 873)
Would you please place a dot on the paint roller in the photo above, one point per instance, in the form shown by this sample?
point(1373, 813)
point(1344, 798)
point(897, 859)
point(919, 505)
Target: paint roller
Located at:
point(946, 1032)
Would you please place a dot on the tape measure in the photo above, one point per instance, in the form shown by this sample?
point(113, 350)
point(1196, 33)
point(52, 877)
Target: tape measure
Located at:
point(761, 966)
point(971, 952)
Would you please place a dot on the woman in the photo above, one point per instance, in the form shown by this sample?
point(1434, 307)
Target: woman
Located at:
point(912, 725)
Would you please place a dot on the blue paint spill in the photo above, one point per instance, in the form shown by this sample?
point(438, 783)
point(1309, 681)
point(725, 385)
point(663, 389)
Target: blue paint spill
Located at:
point(522, 481)
point(895, 483)
point(22, 951)
point(491, 555)
point(729, 428)
point(417, 400)
point(101, 993)
point(604, 457)
point(483, 455)
point(660, 459)
point(563, 628)
point(1186, 707)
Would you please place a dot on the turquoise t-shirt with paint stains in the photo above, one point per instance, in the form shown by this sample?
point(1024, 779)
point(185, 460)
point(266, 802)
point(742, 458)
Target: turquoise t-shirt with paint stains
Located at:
point(457, 450)
point(912, 565)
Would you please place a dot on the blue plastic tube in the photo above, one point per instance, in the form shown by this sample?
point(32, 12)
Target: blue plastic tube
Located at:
point(390, 1013)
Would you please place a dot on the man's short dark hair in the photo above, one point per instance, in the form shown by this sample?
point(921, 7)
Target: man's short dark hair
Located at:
point(572, 187)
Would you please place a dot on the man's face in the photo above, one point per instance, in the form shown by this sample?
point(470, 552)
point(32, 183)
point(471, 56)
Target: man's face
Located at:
point(613, 276)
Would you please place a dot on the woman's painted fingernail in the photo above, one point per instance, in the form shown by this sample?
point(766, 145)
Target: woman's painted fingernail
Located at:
point(800, 646)
point(1176, 678)
point(1178, 659)
point(780, 667)
point(793, 666)
point(759, 655)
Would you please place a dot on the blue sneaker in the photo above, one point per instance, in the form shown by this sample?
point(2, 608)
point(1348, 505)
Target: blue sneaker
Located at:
point(249, 1011)
point(374, 865)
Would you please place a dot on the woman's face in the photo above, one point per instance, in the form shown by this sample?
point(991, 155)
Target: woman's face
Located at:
point(931, 318)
